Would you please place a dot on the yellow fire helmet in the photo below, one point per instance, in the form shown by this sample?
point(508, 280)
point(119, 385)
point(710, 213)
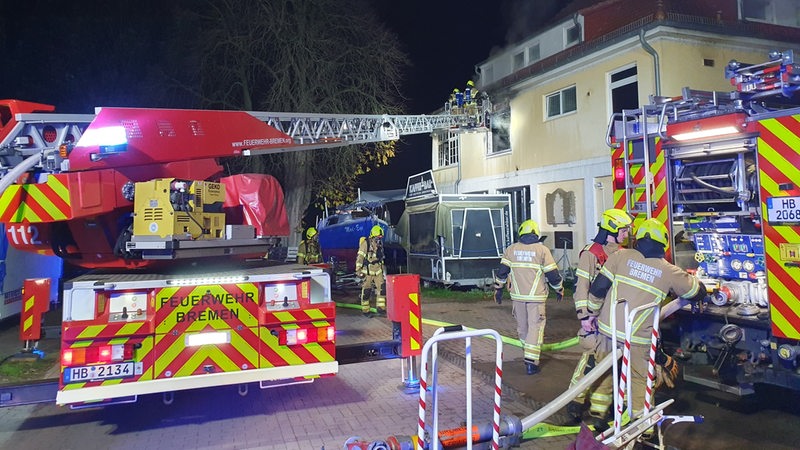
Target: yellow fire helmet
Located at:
point(655, 230)
point(376, 231)
point(613, 219)
point(311, 232)
point(529, 226)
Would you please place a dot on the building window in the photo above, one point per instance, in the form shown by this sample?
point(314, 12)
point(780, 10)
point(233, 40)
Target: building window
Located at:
point(500, 124)
point(779, 12)
point(520, 204)
point(624, 85)
point(449, 146)
point(561, 102)
point(572, 35)
point(534, 53)
point(519, 61)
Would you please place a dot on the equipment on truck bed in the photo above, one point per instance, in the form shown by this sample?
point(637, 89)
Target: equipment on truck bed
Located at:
point(720, 170)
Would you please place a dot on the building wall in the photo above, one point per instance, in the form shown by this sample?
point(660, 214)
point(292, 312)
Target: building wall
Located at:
point(570, 152)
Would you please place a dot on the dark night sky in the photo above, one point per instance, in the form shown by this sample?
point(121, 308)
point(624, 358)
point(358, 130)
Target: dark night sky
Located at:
point(445, 39)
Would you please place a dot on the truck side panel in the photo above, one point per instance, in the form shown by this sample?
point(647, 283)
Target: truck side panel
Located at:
point(778, 162)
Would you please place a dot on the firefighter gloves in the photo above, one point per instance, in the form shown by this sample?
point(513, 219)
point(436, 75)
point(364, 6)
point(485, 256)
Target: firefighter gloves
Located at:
point(666, 372)
point(589, 324)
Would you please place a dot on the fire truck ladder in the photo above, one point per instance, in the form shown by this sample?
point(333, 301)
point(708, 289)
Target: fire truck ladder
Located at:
point(634, 130)
point(32, 140)
point(637, 131)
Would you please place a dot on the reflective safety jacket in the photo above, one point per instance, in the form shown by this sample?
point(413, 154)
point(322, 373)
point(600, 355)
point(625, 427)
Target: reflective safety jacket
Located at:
point(629, 275)
point(308, 252)
point(532, 268)
point(589, 265)
point(369, 259)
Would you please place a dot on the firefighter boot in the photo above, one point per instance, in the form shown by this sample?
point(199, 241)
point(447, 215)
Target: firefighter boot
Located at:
point(366, 295)
point(601, 423)
point(575, 412)
point(531, 368)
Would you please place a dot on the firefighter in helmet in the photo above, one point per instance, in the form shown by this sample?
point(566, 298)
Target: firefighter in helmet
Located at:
point(456, 101)
point(612, 231)
point(308, 252)
point(530, 271)
point(370, 267)
point(641, 276)
point(470, 94)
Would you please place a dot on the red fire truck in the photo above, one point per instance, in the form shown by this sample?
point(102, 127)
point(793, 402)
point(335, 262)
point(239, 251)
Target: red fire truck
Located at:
point(721, 171)
point(179, 295)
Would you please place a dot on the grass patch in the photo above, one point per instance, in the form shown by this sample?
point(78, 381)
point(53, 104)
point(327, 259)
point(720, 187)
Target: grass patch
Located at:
point(441, 293)
point(23, 370)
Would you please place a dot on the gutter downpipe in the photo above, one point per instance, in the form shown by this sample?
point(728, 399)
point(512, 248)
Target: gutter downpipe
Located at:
point(649, 49)
point(458, 179)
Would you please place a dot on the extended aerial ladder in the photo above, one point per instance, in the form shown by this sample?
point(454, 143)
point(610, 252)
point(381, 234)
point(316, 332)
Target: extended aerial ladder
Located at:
point(68, 173)
point(30, 129)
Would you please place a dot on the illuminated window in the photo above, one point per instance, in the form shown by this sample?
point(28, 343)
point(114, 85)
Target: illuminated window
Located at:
point(562, 102)
point(448, 148)
point(500, 124)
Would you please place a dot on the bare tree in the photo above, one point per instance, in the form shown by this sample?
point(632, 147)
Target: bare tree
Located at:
point(329, 56)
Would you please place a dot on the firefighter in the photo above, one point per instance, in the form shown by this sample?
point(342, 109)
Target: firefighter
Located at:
point(612, 231)
point(470, 94)
point(370, 268)
point(456, 101)
point(308, 252)
point(640, 276)
point(532, 269)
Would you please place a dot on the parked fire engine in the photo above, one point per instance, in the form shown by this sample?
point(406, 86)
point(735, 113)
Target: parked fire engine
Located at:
point(721, 171)
point(179, 295)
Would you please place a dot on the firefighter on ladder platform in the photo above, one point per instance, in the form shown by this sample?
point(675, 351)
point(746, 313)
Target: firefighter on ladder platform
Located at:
point(532, 268)
point(639, 276)
point(370, 268)
point(308, 252)
point(612, 233)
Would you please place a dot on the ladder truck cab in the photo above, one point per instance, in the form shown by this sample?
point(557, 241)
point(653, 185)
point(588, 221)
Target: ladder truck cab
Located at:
point(177, 293)
point(721, 171)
